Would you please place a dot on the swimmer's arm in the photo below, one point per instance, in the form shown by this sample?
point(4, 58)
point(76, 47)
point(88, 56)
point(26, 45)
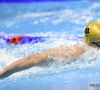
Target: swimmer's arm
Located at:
point(34, 59)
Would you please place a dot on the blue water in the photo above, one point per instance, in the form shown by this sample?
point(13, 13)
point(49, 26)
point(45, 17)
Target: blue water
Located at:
point(66, 19)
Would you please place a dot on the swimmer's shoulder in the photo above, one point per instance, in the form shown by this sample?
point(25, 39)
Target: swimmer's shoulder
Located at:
point(80, 49)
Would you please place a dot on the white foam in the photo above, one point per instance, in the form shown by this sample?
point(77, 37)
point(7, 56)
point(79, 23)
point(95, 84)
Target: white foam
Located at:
point(35, 15)
point(5, 59)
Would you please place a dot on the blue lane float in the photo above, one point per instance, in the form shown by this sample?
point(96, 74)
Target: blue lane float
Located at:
point(21, 39)
point(33, 40)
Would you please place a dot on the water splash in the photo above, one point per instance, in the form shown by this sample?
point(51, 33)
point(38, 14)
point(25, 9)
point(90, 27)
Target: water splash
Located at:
point(53, 65)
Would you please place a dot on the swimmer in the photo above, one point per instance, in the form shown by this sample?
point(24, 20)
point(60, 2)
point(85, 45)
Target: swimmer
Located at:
point(91, 38)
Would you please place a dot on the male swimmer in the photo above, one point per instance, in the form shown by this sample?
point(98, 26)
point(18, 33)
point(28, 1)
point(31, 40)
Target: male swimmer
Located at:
point(91, 38)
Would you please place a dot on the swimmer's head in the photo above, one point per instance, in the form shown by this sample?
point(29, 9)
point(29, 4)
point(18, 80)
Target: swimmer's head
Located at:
point(92, 32)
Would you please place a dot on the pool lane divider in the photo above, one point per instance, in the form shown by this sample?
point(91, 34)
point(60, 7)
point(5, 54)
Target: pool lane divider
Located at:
point(22, 39)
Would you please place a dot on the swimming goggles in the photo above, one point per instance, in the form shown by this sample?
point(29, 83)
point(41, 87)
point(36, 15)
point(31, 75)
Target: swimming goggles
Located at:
point(96, 43)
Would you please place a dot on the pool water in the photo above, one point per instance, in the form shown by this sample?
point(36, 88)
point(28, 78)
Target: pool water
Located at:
point(63, 22)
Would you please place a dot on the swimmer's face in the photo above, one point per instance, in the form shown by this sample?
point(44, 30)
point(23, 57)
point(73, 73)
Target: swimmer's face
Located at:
point(96, 44)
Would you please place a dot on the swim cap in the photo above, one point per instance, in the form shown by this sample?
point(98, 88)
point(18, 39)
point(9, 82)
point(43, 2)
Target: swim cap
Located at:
point(92, 32)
